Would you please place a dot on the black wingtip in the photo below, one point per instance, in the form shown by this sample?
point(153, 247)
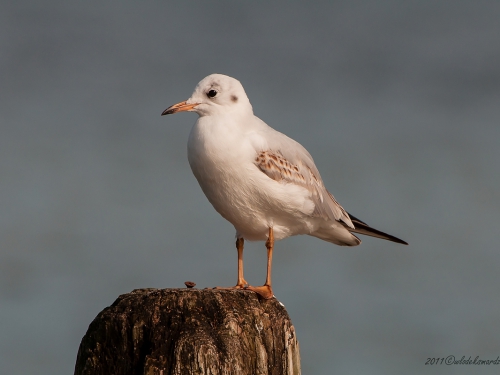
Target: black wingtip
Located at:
point(380, 234)
point(362, 228)
point(398, 240)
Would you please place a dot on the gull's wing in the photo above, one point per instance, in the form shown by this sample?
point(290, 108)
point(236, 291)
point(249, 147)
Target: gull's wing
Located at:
point(285, 160)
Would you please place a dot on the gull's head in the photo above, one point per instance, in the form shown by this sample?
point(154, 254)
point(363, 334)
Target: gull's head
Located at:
point(215, 94)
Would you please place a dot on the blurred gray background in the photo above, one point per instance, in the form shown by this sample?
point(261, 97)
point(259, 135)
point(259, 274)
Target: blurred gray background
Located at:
point(398, 102)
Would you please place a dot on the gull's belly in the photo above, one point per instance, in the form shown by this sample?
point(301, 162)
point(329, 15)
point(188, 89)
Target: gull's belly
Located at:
point(252, 207)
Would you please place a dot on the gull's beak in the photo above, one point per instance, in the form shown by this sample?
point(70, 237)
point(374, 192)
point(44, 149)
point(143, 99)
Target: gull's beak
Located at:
point(179, 107)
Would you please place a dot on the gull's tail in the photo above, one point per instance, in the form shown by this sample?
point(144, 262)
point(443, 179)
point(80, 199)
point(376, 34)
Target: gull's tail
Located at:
point(363, 228)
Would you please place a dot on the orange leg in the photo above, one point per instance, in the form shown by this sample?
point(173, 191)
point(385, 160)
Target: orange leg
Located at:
point(241, 280)
point(241, 283)
point(265, 291)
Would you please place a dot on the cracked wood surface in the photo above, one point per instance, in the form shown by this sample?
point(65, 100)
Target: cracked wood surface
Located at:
point(190, 331)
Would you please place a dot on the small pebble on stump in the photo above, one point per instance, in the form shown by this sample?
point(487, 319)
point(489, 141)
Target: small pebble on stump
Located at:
point(190, 331)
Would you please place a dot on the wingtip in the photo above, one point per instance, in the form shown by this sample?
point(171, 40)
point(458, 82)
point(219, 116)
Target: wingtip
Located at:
point(394, 239)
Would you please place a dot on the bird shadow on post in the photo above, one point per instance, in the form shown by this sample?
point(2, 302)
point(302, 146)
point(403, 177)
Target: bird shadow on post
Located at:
point(190, 331)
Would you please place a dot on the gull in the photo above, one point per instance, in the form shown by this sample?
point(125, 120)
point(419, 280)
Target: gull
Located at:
point(261, 181)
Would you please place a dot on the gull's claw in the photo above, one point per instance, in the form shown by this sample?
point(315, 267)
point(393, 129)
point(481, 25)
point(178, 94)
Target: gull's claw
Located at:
point(265, 291)
point(243, 285)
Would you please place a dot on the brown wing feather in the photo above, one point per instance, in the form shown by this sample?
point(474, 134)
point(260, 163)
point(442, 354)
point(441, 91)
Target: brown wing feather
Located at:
point(277, 167)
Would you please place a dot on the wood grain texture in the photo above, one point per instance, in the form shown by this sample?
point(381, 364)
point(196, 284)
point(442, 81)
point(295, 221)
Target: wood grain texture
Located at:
point(190, 331)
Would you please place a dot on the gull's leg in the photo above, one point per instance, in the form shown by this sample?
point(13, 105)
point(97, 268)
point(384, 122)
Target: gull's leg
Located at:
point(241, 284)
point(241, 280)
point(265, 290)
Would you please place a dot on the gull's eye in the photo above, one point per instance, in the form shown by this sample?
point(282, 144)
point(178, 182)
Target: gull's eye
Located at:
point(212, 93)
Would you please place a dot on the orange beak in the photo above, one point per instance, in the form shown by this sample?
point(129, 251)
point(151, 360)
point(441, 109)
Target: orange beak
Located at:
point(179, 107)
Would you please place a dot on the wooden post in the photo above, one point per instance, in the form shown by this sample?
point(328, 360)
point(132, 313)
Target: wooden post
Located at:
point(190, 331)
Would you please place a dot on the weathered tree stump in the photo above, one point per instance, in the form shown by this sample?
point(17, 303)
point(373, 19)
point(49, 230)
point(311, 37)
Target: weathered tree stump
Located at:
point(190, 331)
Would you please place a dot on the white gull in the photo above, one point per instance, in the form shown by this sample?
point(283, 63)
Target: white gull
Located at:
point(261, 181)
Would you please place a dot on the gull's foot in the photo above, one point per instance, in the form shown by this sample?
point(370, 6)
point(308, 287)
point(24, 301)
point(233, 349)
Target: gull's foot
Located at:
point(265, 291)
point(242, 285)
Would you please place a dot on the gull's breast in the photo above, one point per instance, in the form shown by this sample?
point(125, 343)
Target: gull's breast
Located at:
point(223, 162)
